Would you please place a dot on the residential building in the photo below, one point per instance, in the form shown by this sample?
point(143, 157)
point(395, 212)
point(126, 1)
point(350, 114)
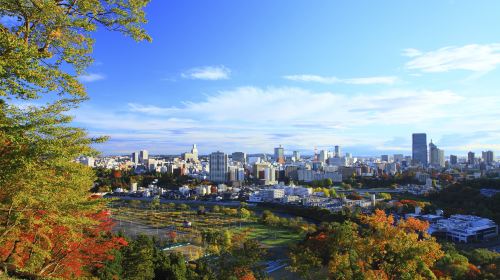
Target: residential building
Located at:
point(488, 157)
point(218, 167)
point(296, 155)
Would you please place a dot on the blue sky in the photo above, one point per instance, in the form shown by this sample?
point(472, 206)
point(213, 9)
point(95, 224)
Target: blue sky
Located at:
point(250, 75)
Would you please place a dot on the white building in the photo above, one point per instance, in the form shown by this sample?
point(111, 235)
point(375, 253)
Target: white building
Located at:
point(272, 194)
point(465, 228)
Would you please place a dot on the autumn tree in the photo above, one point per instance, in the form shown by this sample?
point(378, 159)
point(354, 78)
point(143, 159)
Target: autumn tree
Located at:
point(379, 248)
point(49, 227)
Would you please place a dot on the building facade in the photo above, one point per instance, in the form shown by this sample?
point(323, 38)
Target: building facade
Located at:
point(218, 167)
point(419, 148)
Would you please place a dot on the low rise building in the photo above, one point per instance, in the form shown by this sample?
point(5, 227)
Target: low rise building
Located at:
point(465, 228)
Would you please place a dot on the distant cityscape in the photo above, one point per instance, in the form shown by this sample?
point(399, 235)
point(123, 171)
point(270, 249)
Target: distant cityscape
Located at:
point(266, 169)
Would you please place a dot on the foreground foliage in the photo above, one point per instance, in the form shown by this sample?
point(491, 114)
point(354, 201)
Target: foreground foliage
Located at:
point(49, 226)
point(377, 249)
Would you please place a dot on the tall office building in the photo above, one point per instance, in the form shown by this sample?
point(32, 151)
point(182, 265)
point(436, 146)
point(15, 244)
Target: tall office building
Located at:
point(453, 159)
point(436, 155)
point(218, 167)
point(488, 157)
point(279, 154)
point(143, 156)
point(470, 157)
point(337, 151)
point(384, 158)
point(296, 155)
point(323, 155)
point(419, 148)
point(135, 157)
point(239, 157)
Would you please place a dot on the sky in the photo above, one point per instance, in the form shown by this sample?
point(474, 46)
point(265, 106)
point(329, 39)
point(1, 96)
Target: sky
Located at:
point(251, 75)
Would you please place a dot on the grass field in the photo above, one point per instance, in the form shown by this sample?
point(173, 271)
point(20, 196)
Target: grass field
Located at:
point(160, 223)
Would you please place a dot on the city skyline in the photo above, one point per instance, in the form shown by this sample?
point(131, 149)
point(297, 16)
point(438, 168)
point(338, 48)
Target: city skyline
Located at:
point(362, 75)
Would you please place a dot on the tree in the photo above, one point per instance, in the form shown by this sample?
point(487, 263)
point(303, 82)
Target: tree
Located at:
point(385, 196)
point(328, 182)
point(48, 224)
point(112, 269)
point(380, 249)
point(244, 213)
point(155, 203)
point(138, 262)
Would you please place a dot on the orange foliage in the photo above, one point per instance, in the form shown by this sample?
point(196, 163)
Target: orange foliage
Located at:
point(70, 253)
point(412, 224)
point(243, 273)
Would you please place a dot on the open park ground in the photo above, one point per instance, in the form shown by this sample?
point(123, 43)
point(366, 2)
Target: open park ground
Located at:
point(139, 218)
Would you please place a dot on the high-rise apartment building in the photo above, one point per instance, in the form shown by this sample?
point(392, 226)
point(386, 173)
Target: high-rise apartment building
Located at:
point(419, 148)
point(488, 157)
point(218, 167)
point(296, 155)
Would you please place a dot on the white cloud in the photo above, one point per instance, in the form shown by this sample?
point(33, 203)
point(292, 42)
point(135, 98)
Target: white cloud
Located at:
point(411, 52)
point(386, 80)
point(474, 57)
point(255, 119)
point(91, 77)
point(208, 73)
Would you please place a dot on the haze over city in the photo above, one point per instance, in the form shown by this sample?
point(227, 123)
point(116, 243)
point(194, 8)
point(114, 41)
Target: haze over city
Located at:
point(238, 76)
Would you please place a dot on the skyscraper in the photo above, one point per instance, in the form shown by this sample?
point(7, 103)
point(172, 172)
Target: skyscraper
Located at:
point(384, 158)
point(436, 155)
point(279, 154)
point(470, 157)
point(337, 151)
point(143, 156)
point(419, 148)
point(488, 157)
point(135, 157)
point(218, 167)
point(453, 159)
point(323, 155)
point(296, 155)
